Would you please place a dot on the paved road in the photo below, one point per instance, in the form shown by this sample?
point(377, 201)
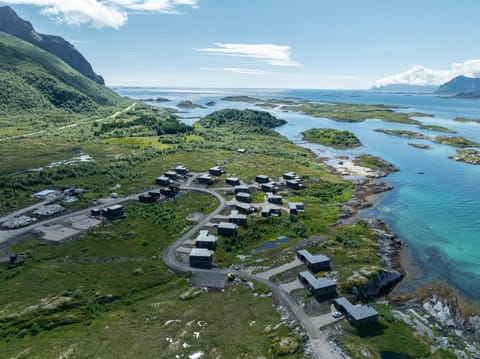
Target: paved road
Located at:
point(320, 345)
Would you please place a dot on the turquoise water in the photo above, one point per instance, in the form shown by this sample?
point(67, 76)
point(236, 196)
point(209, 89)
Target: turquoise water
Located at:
point(437, 214)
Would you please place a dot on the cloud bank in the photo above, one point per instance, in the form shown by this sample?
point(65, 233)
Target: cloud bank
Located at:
point(275, 55)
point(101, 13)
point(423, 76)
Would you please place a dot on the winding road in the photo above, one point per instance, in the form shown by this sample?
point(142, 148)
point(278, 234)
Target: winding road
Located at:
point(321, 347)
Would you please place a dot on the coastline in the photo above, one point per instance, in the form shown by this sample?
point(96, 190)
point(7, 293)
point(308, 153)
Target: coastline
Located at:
point(435, 304)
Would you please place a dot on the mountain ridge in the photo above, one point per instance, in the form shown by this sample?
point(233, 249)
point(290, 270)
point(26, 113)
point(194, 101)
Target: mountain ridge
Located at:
point(461, 86)
point(12, 24)
point(33, 80)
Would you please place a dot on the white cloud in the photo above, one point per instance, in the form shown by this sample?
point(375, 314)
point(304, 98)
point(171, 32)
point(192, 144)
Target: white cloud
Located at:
point(272, 54)
point(423, 76)
point(238, 70)
point(101, 13)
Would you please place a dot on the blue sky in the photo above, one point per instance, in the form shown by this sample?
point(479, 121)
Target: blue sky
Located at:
point(266, 43)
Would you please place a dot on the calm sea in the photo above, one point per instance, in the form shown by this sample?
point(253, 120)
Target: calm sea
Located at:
point(437, 213)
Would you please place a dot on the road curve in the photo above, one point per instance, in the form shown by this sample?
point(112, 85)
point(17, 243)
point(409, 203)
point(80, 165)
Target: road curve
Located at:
point(322, 349)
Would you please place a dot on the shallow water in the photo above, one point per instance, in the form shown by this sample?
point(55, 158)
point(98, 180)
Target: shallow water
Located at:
point(437, 214)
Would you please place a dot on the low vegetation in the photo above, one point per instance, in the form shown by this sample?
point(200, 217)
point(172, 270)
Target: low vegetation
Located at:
point(402, 133)
point(464, 119)
point(456, 141)
point(332, 137)
point(436, 128)
point(468, 155)
point(373, 162)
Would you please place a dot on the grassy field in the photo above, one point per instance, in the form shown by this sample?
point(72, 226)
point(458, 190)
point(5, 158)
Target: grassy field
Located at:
point(108, 294)
point(389, 335)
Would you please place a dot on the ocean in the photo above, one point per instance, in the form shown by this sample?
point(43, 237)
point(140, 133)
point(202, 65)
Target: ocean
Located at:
point(436, 213)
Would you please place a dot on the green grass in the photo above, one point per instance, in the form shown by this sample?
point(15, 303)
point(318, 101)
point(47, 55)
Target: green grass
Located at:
point(402, 133)
point(464, 119)
point(35, 81)
point(389, 335)
point(331, 137)
point(373, 162)
point(436, 128)
point(103, 286)
point(345, 112)
point(456, 141)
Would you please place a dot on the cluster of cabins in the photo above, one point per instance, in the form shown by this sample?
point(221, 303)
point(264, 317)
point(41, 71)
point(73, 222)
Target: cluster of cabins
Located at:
point(242, 194)
point(207, 178)
point(320, 287)
point(202, 255)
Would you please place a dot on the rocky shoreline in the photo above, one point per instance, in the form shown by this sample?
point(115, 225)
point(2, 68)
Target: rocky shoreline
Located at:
point(436, 313)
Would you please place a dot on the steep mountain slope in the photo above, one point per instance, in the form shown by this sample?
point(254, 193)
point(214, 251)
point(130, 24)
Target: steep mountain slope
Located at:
point(461, 86)
point(33, 80)
point(12, 24)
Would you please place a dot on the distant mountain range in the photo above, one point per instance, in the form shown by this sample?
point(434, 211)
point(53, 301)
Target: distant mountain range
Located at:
point(36, 81)
point(12, 24)
point(461, 86)
point(404, 88)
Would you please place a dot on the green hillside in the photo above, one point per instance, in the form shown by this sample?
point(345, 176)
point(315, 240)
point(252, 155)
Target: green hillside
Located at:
point(35, 81)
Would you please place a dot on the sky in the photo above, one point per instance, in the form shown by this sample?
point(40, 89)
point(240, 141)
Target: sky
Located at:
point(320, 44)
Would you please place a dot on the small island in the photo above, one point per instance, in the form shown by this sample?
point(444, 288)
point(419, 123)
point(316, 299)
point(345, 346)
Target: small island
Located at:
point(188, 105)
point(402, 133)
point(211, 103)
point(436, 128)
point(464, 119)
point(422, 146)
point(456, 141)
point(374, 163)
point(331, 137)
point(467, 155)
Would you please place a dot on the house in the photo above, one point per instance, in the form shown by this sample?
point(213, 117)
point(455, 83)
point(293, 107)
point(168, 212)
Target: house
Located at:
point(181, 170)
point(146, 198)
point(294, 184)
point(237, 218)
point(205, 179)
point(318, 286)
point(206, 240)
point(290, 176)
point(358, 314)
point(201, 258)
point(215, 171)
point(227, 229)
point(113, 212)
point(315, 262)
point(95, 212)
point(242, 150)
point(295, 207)
point(262, 179)
point(268, 211)
point(155, 194)
point(242, 188)
point(243, 197)
point(274, 199)
point(171, 174)
point(269, 187)
point(169, 191)
point(232, 181)
point(163, 181)
point(244, 207)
